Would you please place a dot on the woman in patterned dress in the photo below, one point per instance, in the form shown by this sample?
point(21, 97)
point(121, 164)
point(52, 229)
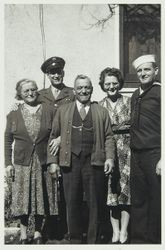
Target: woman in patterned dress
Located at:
point(111, 81)
point(34, 187)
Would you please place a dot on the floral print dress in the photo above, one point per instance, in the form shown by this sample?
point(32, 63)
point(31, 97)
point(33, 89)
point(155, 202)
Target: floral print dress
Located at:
point(119, 180)
point(33, 190)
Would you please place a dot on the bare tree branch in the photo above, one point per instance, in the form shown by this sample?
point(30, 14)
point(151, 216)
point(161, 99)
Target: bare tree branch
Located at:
point(101, 23)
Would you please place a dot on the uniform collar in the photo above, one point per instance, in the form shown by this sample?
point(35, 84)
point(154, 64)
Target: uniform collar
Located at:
point(47, 93)
point(141, 91)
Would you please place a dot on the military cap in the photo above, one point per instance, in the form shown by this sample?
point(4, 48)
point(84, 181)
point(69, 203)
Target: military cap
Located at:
point(53, 63)
point(143, 59)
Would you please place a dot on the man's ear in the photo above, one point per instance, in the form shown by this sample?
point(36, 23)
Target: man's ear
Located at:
point(156, 70)
point(74, 92)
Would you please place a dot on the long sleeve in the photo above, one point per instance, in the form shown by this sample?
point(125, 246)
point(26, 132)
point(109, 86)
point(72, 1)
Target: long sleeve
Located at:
point(109, 140)
point(54, 134)
point(9, 140)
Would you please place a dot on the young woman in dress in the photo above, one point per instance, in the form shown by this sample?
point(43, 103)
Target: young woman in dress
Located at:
point(118, 105)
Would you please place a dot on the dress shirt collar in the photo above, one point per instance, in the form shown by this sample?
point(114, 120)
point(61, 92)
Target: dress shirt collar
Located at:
point(79, 105)
point(55, 91)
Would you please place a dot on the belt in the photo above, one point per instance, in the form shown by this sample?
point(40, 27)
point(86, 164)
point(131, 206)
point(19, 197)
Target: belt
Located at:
point(120, 131)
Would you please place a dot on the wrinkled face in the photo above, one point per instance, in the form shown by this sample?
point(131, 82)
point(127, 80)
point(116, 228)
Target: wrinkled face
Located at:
point(83, 90)
point(56, 76)
point(29, 92)
point(147, 73)
point(111, 85)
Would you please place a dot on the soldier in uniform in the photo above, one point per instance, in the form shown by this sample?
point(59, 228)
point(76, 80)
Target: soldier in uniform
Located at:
point(57, 94)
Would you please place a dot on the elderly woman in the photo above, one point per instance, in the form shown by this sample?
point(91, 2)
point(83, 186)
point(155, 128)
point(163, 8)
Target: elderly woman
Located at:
point(111, 81)
point(26, 137)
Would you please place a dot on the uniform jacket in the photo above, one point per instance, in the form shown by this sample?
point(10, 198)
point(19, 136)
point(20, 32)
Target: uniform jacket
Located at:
point(103, 147)
point(145, 118)
point(65, 96)
point(24, 146)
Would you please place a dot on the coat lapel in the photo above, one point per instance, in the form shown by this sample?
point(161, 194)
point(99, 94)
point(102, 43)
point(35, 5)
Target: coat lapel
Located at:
point(49, 95)
point(63, 94)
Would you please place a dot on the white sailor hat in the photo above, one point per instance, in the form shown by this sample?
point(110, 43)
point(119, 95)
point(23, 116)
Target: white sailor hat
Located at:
point(143, 59)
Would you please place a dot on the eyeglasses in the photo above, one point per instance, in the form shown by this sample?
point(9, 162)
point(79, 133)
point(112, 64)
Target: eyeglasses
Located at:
point(26, 92)
point(113, 84)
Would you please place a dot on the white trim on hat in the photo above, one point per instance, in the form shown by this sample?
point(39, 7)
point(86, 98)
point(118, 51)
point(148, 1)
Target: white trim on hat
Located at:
point(143, 59)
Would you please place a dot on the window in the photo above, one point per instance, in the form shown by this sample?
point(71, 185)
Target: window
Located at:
point(139, 34)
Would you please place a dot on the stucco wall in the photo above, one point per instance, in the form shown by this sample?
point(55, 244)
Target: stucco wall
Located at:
point(67, 34)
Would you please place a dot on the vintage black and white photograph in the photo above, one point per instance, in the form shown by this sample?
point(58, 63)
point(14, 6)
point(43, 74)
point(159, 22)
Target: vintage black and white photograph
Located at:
point(82, 123)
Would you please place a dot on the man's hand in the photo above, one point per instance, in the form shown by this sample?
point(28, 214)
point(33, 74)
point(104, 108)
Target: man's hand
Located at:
point(15, 106)
point(54, 170)
point(158, 168)
point(10, 171)
point(54, 145)
point(108, 166)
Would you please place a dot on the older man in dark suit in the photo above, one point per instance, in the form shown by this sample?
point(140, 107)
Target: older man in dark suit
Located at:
point(86, 155)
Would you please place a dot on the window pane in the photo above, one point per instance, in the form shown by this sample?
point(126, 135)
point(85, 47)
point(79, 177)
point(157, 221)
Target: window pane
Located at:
point(140, 34)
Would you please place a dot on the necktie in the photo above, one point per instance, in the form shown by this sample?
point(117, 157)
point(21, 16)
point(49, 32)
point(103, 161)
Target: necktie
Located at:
point(82, 112)
point(55, 92)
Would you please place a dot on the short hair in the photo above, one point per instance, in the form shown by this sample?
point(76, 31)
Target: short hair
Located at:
point(19, 87)
point(82, 77)
point(154, 64)
point(111, 72)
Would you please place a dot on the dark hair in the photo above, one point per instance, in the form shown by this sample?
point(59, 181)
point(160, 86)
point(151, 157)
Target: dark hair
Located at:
point(154, 64)
point(111, 72)
point(19, 86)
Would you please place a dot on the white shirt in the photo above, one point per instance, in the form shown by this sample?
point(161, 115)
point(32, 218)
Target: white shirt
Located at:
point(55, 91)
point(86, 106)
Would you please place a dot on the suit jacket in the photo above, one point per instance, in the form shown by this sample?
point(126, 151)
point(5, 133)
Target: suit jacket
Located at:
point(24, 146)
point(65, 96)
point(103, 146)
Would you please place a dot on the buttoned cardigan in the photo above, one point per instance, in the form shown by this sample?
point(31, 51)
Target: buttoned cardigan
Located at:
point(103, 146)
point(24, 146)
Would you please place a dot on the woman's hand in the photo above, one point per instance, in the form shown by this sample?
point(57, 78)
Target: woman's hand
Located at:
point(54, 145)
point(10, 171)
point(108, 166)
point(54, 170)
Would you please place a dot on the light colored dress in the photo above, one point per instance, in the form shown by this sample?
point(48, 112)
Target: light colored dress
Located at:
point(119, 180)
point(33, 190)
